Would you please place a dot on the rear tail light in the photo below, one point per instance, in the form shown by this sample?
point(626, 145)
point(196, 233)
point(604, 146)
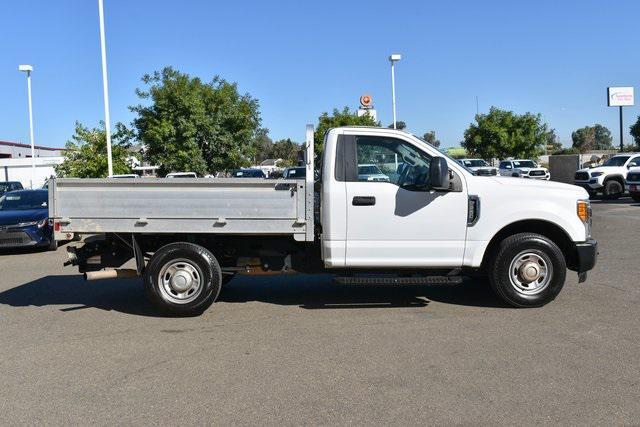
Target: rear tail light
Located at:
point(56, 226)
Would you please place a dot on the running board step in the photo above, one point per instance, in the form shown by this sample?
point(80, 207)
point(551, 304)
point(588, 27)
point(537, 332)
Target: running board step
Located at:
point(420, 280)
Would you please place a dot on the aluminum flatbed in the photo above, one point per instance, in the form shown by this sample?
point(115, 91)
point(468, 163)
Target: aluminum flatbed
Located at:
point(238, 206)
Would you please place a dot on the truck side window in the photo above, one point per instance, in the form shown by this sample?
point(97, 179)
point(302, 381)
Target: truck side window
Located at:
point(505, 165)
point(634, 162)
point(382, 159)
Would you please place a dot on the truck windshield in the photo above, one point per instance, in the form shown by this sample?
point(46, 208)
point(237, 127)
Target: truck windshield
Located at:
point(524, 164)
point(616, 161)
point(23, 201)
point(474, 163)
point(4, 187)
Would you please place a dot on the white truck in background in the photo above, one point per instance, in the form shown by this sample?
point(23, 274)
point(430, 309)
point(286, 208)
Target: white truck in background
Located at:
point(430, 221)
point(609, 178)
point(479, 167)
point(633, 182)
point(523, 168)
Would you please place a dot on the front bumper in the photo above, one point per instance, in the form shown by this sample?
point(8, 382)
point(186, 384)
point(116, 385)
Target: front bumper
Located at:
point(586, 257)
point(24, 237)
point(546, 177)
point(591, 185)
point(634, 188)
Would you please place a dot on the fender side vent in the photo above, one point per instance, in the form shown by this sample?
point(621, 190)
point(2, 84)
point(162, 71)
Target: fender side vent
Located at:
point(473, 210)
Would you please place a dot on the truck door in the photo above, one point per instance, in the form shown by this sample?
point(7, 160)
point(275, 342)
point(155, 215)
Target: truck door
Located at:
point(393, 220)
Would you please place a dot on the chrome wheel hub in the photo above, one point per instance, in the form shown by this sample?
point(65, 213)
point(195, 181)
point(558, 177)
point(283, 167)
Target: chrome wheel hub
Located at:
point(180, 281)
point(530, 273)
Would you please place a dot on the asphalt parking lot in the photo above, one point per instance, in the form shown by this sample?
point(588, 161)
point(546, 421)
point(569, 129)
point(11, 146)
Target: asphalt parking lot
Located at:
point(301, 350)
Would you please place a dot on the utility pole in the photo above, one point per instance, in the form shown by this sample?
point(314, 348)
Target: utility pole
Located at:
point(393, 59)
point(28, 69)
point(105, 88)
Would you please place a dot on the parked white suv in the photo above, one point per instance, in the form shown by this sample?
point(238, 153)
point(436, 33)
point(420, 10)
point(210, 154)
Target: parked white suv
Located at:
point(610, 178)
point(633, 182)
point(523, 168)
point(479, 167)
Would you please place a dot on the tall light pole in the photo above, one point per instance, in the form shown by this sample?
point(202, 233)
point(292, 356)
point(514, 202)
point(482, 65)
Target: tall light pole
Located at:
point(393, 58)
point(105, 89)
point(28, 69)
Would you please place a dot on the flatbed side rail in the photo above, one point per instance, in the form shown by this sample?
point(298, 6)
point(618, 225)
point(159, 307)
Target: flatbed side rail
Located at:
point(186, 205)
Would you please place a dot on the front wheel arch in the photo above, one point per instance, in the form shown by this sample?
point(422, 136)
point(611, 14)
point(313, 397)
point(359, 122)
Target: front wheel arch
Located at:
point(545, 228)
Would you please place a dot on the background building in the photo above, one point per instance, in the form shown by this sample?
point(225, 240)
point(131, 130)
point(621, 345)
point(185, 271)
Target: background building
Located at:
point(15, 163)
point(15, 150)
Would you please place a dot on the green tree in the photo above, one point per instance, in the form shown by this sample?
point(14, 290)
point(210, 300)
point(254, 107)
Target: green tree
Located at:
point(195, 126)
point(287, 150)
point(262, 145)
point(500, 134)
point(400, 125)
point(596, 137)
point(553, 143)
point(344, 117)
point(430, 137)
point(635, 133)
point(86, 152)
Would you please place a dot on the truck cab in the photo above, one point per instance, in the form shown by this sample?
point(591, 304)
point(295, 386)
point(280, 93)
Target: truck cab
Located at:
point(408, 220)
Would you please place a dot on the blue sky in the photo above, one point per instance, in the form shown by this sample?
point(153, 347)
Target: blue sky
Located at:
point(302, 58)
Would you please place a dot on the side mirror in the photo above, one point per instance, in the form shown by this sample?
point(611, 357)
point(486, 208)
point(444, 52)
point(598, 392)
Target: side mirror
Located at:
point(439, 174)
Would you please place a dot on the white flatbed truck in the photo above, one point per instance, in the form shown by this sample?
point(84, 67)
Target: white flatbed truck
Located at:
point(432, 221)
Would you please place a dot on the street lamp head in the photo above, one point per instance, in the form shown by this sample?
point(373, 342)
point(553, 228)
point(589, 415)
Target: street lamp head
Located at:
point(25, 67)
point(395, 57)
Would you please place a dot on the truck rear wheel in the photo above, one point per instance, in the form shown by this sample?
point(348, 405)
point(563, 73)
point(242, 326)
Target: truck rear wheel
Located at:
point(527, 270)
point(183, 279)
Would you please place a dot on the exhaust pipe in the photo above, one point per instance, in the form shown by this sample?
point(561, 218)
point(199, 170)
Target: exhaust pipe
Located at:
point(122, 273)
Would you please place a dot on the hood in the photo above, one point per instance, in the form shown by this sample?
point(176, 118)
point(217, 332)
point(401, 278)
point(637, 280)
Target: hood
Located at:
point(538, 184)
point(605, 169)
point(15, 217)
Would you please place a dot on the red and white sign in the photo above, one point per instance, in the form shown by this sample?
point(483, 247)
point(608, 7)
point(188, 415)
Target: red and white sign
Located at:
point(619, 96)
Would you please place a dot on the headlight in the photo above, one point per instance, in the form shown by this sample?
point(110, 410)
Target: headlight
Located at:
point(584, 213)
point(42, 222)
point(26, 224)
point(595, 174)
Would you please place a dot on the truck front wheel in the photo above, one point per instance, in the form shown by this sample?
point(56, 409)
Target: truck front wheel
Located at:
point(527, 270)
point(182, 279)
point(613, 189)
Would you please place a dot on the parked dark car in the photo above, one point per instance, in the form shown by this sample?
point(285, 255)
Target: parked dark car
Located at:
point(295, 173)
point(5, 187)
point(247, 173)
point(24, 220)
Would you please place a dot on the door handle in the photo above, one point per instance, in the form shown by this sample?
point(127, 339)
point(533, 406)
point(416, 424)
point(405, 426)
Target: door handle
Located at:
point(363, 201)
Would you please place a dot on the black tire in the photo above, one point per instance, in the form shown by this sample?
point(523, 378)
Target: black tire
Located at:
point(185, 260)
point(613, 189)
point(635, 197)
point(53, 244)
point(511, 250)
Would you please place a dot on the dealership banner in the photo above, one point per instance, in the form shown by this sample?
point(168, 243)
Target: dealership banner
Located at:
point(619, 96)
